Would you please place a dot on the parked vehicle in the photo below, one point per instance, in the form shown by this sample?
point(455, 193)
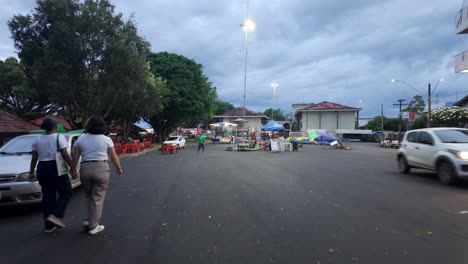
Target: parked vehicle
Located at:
point(391, 141)
point(15, 159)
point(176, 141)
point(443, 150)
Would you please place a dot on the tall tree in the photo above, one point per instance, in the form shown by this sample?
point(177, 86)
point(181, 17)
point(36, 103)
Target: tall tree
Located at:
point(416, 104)
point(221, 107)
point(278, 114)
point(80, 56)
point(188, 99)
point(16, 96)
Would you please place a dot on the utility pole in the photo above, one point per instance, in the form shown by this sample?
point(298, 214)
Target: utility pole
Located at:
point(429, 105)
point(400, 104)
point(382, 121)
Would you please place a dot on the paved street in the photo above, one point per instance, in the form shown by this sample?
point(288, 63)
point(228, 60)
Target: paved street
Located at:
point(314, 206)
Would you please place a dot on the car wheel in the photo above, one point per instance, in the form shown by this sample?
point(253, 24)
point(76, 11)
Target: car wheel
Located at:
point(446, 173)
point(403, 166)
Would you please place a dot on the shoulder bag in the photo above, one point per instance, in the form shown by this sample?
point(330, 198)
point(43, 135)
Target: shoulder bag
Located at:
point(62, 168)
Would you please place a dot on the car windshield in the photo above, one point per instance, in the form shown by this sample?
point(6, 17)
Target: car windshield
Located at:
point(172, 139)
point(453, 136)
point(19, 145)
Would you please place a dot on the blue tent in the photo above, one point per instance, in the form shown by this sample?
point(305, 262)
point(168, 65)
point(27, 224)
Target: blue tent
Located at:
point(325, 139)
point(273, 126)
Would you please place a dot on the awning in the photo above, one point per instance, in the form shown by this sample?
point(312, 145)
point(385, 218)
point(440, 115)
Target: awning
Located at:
point(223, 124)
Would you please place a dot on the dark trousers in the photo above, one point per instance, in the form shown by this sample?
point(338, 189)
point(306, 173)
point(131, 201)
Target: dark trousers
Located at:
point(51, 185)
point(201, 146)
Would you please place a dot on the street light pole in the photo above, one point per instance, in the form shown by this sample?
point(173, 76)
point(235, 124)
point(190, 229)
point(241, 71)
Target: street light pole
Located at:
point(274, 85)
point(429, 105)
point(248, 25)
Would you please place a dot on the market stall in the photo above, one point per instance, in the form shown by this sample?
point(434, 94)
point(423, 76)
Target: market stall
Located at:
point(223, 132)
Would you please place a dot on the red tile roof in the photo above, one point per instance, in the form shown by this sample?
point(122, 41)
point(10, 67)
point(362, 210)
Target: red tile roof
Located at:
point(10, 123)
point(59, 119)
point(328, 106)
point(240, 112)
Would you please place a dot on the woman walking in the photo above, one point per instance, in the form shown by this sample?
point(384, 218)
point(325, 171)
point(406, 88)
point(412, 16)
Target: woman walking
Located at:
point(45, 149)
point(95, 149)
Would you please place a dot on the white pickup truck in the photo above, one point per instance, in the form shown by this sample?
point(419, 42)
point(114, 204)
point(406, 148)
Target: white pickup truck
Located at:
point(391, 141)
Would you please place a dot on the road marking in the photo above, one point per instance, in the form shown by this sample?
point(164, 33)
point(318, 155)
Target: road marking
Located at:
point(463, 212)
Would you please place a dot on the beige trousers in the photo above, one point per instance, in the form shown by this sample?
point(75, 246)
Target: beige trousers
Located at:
point(95, 179)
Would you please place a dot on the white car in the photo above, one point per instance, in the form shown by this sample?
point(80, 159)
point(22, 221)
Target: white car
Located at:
point(176, 141)
point(15, 159)
point(443, 150)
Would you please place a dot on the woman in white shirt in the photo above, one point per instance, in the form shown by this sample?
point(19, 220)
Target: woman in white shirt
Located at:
point(44, 149)
point(95, 149)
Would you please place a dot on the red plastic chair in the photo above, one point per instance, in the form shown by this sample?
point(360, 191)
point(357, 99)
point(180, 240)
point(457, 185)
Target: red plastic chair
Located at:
point(168, 149)
point(131, 148)
point(121, 148)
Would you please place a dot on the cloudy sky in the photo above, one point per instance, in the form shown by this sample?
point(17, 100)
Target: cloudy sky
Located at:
point(340, 51)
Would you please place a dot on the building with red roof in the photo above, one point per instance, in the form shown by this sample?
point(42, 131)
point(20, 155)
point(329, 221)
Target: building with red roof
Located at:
point(325, 116)
point(253, 121)
point(12, 125)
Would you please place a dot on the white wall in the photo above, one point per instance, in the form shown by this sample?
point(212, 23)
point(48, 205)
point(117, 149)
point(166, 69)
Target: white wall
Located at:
point(310, 120)
point(328, 120)
point(347, 120)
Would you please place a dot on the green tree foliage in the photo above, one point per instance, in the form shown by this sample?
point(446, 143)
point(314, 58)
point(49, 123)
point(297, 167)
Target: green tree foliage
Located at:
point(221, 107)
point(415, 105)
point(420, 122)
point(278, 114)
point(390, 124)
point(188, 97)
point(83, 57)
point(15, 94)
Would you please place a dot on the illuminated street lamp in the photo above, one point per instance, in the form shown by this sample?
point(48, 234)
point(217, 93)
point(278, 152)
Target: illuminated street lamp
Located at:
point(274, 85)
point(429, 94)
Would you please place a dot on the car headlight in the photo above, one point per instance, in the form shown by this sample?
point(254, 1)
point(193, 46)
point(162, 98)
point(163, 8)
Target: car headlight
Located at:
point(174, 145)
point(463, 155)
point(22, 177)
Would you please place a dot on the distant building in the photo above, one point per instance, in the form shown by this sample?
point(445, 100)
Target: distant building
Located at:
point(325, 116)
point(12, 126)
point(461, 60)
point(462, 103)
point(253, 121)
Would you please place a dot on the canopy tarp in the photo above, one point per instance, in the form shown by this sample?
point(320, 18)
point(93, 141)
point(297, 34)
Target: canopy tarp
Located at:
point(321, 138)
point(223, 124)
point(273, 126)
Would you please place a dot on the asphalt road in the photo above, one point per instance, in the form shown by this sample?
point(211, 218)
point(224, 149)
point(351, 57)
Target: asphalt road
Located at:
point(314, 206)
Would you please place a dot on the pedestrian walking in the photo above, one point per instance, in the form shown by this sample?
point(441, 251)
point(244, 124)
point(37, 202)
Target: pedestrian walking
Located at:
point(95, 150)
point(46, 149)
point(201, 142)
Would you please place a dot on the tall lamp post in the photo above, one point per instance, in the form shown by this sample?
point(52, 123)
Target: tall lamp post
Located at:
point(274, 85)
point(429, 96)
point(247, 26)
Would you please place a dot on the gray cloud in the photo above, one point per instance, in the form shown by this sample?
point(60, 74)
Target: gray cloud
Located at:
point(316, 50)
